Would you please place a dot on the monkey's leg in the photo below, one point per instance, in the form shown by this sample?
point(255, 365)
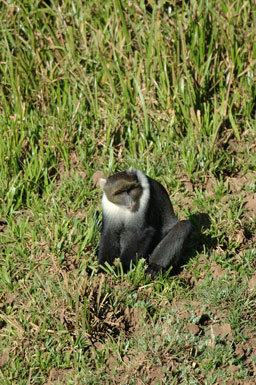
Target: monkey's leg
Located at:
point(109, 248)
point(168, 251)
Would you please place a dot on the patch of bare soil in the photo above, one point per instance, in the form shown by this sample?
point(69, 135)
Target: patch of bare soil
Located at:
point(134, 317)
point(209, 186)
point(4, 357)
point(136, 366)
point(250, 205)
point(59, 376)
point(204, 267)
point(237, 185)
point(223, 331)
point(241, 184)
point(252, 282)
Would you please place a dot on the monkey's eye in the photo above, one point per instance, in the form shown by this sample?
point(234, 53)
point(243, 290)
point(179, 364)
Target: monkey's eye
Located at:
point(127, 190)
point(120, 192)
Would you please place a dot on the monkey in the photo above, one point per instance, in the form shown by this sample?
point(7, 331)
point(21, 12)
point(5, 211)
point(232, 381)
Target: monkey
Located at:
point(138, 221)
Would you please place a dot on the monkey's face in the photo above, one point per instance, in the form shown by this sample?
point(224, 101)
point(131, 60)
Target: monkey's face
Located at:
point(124, 189)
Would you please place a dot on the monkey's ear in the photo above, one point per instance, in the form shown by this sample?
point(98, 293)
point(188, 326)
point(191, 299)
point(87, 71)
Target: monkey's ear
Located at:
point(96, 178)
point(130, 170)
point(102, 182)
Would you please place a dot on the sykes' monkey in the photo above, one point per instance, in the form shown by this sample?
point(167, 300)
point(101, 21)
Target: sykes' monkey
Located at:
point(139, 221)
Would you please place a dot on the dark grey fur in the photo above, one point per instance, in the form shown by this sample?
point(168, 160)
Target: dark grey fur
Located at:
point(156, 234)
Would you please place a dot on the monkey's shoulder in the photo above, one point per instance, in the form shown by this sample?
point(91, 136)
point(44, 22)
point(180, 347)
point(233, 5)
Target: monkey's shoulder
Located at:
point(159, 199)
point(157, 189)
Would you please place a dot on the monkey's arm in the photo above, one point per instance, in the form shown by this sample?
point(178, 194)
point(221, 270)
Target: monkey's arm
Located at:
point(109, 248)
point(168, 251)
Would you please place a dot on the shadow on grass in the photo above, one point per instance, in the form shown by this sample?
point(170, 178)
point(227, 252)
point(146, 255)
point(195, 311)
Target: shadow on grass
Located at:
point(198, 240)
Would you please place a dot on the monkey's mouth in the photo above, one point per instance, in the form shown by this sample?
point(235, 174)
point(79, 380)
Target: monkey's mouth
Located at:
point(130, 203)
point(132, 208)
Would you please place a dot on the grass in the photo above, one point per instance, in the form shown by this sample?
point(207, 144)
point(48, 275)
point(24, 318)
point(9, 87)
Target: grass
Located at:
point(165, 87)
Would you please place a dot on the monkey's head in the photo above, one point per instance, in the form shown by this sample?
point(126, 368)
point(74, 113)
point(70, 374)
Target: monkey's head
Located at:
point(123, 189)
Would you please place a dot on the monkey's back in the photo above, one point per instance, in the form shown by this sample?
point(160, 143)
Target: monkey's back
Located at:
point(160, 213)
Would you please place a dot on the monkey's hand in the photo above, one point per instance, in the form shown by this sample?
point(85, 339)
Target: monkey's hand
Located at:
point(153, 270)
